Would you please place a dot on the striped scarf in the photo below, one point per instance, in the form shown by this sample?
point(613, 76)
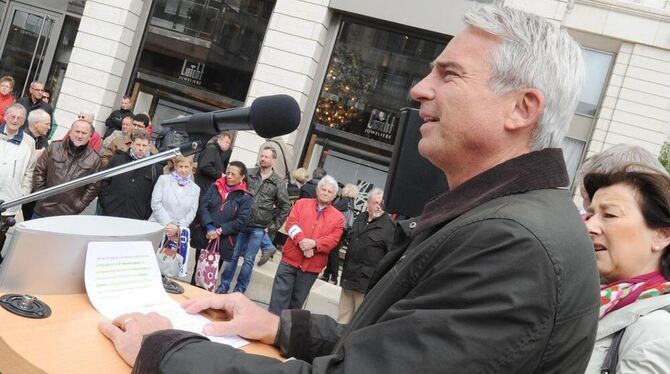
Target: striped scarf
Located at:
point(616, 295)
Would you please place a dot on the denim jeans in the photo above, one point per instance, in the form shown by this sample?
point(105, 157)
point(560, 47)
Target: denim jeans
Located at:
point(247, 245)
point(290, 288)
point(267, 246)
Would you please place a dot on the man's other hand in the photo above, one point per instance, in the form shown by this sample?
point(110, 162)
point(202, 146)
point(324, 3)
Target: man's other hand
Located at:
point(245, 318)
point(127, 331)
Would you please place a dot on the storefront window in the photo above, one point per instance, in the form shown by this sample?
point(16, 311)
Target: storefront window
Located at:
point(206, 44)
point(368, 79)
point(62, 56)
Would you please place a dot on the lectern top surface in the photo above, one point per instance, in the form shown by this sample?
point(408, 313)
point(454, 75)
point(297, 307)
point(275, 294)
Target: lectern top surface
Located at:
point(90, 225)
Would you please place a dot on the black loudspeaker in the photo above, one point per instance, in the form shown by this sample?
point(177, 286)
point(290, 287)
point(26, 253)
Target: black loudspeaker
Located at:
point(412, 180)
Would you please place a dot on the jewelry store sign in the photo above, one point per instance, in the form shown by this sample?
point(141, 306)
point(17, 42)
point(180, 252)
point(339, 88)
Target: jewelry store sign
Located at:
point(192, 72)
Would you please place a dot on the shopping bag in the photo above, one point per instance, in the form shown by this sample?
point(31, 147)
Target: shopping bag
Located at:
point(207, 267)
point(172, 256)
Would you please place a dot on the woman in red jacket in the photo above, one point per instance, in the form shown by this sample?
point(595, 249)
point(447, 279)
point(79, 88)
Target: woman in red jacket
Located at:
point(6, 95)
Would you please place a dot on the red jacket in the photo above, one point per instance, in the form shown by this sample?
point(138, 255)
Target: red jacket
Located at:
point(5, 101)
point(303, 223)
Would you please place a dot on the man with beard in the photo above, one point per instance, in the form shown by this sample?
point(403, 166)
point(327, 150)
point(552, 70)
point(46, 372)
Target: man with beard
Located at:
point(370, 238)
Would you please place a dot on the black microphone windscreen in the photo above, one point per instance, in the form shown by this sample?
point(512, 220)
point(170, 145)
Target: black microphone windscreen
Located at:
point(274, 115)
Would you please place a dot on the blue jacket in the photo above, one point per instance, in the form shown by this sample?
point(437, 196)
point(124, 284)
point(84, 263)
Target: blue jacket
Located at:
point(231, 216)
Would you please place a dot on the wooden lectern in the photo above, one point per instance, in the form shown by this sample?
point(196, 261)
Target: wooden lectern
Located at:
point(69, 341)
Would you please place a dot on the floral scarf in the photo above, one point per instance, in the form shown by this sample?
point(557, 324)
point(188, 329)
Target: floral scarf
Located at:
point(224, 189)
point(181, 180)
point(616, 295)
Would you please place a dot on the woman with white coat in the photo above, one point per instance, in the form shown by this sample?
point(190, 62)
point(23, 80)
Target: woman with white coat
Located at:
point(174, 200)
point(629, 223)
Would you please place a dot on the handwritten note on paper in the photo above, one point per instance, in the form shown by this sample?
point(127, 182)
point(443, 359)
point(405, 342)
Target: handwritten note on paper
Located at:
point(123, 277)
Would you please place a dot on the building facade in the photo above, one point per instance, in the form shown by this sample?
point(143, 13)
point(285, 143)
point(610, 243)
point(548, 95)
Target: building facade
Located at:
point(348, 63)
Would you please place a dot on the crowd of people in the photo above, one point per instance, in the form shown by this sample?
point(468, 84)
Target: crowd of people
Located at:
point(499, 274)
point(243, 209)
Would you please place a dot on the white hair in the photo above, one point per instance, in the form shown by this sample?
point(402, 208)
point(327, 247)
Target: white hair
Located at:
point(534, 54)
point(375, 191)
point(618, 156)
point(38, 115)
point(327, 179)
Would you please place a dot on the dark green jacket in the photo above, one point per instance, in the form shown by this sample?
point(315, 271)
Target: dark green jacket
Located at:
point(498, 276)
point(271, 204)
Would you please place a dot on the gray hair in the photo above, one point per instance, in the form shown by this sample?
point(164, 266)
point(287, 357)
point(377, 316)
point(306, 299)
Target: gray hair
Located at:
point(618, 156)
point(534, 54)
point(327, 179)
point(15, 107)
point(89, 114)
point(375, 191)
point(38, 115)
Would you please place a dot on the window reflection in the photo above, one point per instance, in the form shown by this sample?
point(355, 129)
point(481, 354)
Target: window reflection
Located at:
point(210, 44)
point(368, 79)
point(597, 67)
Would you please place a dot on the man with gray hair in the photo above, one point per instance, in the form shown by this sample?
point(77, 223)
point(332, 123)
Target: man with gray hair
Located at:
point(613, 158)
point(34, 100)
point(17, 160)
point(498, 275)
point(314, 228)
point(370, 239)
point(39, 124)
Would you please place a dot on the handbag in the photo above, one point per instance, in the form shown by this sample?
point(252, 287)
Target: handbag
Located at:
point(207, 267)
point(173, 257)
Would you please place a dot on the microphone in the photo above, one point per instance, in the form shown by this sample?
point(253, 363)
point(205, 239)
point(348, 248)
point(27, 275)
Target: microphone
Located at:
point(268, 116)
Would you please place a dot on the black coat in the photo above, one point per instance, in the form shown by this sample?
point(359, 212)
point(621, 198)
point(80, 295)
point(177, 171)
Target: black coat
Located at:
point(308, 190)
point(211, 166)
point(368, 243)
point(113, 122)
point(231, 217)
point(128, 195)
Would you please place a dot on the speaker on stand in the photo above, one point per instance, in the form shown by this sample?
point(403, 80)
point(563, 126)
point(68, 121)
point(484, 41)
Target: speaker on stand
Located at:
point(412, 180)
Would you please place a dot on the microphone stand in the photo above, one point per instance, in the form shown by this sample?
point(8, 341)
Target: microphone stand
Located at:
point(183, 149)
point(29, 306)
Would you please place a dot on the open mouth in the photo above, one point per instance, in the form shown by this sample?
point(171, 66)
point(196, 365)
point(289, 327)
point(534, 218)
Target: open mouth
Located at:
point(430, 119)
point(599, 247)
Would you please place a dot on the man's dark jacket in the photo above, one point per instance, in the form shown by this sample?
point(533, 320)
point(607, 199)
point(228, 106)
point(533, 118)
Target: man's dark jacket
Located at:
point(498, 276)
point(271, 204)
point(308, 190)
point(62, 162)
point(211, 165)
point(128, 195)
point(368, 243)
point(113, 122)
point(28, 103)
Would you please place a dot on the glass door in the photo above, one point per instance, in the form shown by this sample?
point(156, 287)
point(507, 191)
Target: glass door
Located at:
point(28, 40)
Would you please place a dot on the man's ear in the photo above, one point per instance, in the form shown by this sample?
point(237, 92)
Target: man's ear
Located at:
point(528, 108)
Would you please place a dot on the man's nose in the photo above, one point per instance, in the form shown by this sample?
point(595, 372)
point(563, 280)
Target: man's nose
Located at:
point(422, 91)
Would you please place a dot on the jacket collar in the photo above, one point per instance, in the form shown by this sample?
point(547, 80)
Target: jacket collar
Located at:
point(531, 171)
point(628, 315)
point(17, 139)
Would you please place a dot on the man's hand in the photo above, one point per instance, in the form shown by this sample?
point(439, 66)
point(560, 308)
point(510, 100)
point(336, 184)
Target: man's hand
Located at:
point(307, 243)
point(309, 253)
point(128, 330)
point(245, 318)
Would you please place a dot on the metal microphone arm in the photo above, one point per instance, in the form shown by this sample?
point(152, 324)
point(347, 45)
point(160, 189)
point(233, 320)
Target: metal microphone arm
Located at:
point(183, 149)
